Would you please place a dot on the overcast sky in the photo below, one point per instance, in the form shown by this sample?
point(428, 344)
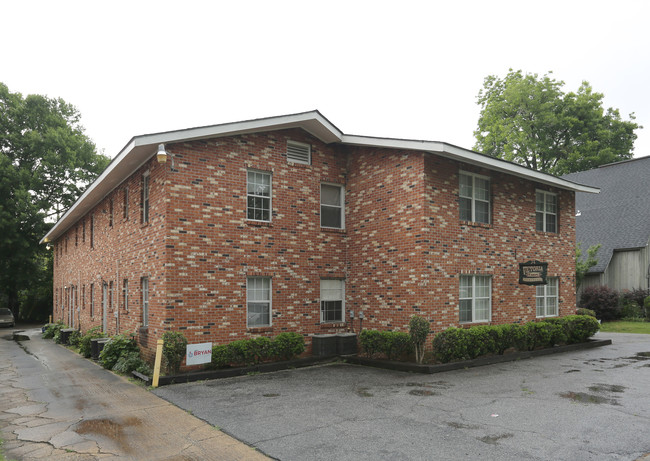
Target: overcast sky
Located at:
point(401, 69)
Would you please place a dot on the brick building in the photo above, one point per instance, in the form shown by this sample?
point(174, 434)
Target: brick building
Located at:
point(287, 224)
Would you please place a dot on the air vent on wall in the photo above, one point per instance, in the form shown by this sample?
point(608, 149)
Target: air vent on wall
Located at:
point(298, 152)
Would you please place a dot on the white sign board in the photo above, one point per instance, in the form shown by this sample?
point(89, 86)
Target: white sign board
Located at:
point(198, 353)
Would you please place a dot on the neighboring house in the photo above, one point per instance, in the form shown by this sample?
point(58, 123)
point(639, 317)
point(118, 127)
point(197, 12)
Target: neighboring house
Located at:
point(619, 219)
point(288, 224)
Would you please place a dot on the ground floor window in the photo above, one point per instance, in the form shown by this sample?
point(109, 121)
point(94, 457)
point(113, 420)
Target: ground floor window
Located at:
point(546, 298)
point(332, 296)
point(144, 285)
point(475, 299)
point(258, 301)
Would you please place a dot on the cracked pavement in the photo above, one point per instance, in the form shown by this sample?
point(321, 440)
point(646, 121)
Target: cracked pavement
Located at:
point(584, 405)
point(56, 405)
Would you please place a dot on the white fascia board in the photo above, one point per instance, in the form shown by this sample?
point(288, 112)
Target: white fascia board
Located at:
point(468, 156)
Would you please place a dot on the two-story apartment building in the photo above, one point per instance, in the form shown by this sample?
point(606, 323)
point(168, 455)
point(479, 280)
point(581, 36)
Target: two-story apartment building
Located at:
point(287, 224)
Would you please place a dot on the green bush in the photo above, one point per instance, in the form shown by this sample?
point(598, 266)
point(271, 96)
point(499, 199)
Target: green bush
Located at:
point(419, 331)
point(392, 344)
point(583, 311)
point(132, 361)
point(579, 328)
point(84, 341)
point(74, 338)
point(451, 344)
point(52, 329)
point(288, 345)
point(116, 347)
point(221, 355)
point(539, 334)
point(502, 337)
point(174, 346)
point(602, 300)
point(631, 311)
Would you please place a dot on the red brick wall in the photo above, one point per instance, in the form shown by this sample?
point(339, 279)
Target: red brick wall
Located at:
point(402, 252)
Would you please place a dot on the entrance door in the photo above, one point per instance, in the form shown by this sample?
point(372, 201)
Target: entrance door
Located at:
point(105, 307)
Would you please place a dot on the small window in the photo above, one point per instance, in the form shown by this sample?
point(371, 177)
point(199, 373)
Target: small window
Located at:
point(298, 152)
point(475, 299)
point(332, 300)
point(546, 211)
point(144, 288)
point(76, 236)
point(332, 206)
point(111, 215)
point(145, 198)
point(126, 203)
point(92, 300)
point(92, 231)
point(125, 294)
point(546, 298)
point(258, 302)
point(83, 231)
point(258, 196)
point(110, 295)
point(474, 198)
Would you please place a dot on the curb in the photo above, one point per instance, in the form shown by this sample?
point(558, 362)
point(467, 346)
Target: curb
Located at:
point(356, 360)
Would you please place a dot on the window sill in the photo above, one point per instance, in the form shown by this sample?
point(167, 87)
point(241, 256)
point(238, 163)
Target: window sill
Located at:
point(259, 329)
point(476, 224)
point(258, 223)
point(328, 325)
point(333, 230)
point(299, 164)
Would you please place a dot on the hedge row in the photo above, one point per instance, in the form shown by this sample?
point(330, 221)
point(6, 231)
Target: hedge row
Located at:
point(455, 344)
point(392, 344)
point(246, 352)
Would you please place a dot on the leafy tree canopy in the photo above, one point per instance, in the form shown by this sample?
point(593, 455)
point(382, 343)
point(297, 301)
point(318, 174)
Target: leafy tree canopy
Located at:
point(46, 161)
point(529, 120)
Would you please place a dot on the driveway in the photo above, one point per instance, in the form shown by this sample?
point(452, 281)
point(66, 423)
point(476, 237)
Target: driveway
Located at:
point(585, 405)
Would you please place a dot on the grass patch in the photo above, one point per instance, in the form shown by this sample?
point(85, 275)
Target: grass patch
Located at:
point(626, 327)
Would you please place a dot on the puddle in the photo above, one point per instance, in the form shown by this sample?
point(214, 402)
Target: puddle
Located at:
point(607, 388)
point(493, 439)
point(461, 425)
point(583, 397)
point(639, 356)
point(109, 429)
point(364, 392)
point(572, 371)
point(270, 395)
point(431, 385)
point(424, 392)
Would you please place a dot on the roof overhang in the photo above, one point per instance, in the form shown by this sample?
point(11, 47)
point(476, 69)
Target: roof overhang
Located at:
point(141, 148)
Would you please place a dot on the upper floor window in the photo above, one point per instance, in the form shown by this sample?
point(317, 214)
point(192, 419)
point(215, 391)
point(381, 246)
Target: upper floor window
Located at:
point(258, 194)
point(546, 298)
point(92, 231)
point(332, 206)
point(126, 203)
point(474, 198)
point(546, 211)
point(475, 298)
point(145, 198)
point(332, 300)
point(125, 294)
point(144, 291)
point(298, 152)
point(258, 302)
point(111, 214)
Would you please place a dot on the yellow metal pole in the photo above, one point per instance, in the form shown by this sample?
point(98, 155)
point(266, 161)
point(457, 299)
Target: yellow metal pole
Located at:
point(156, 367)
point(50, 319)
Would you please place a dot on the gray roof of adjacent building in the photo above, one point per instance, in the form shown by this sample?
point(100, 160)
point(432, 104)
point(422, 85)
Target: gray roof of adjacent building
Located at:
point(619, 217)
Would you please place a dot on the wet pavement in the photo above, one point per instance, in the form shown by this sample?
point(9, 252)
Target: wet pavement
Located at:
point(56, 405)
point(584, 405)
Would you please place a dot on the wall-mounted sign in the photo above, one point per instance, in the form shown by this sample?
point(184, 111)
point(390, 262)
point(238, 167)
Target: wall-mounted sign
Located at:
point(198, 353)
point(533, 273)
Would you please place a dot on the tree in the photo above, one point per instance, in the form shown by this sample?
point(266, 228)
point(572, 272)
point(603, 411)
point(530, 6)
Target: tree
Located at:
point(583, 265)
point(529, 120)
point(46, 161)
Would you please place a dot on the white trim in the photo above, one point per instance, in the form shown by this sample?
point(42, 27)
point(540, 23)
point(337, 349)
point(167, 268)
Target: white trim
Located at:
point(270, 197)
point(341, 206)
point(321, 300)
point(140, 149)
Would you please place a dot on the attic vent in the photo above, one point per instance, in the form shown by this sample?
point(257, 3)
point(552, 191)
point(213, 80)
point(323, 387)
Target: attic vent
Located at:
point(298, 152)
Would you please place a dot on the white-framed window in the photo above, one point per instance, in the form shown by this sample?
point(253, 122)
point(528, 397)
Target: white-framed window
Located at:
point(474, 197)
point(258, 302)
point(258, 194)
point(475, 298)
point(144, 290)
point(546, 298)
point(298, 152)
point(332, 206)
point(125, 294)
point(545, 211)
point(332, 300)
point(125, 205)
point(144, 218)
point(92, 300)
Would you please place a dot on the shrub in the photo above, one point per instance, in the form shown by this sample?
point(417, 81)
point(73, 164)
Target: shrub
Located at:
point(52, 329)
point(288, 345)
point(221, 355)
point(261, 349)
point(539, 334)
point(583, 311)
point(84, 341)
point(631, 311)
point(116, 347)
point(502, 337)
point(174, 345)
point(602, 300)
point(419, 330)
point(579, 328)
point(451, 344)
point(371, 342)
point(74, 338)
point(132, 361)
point(636, 296)
point(392, 344)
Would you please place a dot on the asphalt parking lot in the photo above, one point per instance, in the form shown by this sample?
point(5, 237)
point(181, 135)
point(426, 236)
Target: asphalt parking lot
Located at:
point(585, 405)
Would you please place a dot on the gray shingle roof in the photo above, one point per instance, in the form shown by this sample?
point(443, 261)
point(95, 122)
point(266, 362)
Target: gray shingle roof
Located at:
point(618, 217)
